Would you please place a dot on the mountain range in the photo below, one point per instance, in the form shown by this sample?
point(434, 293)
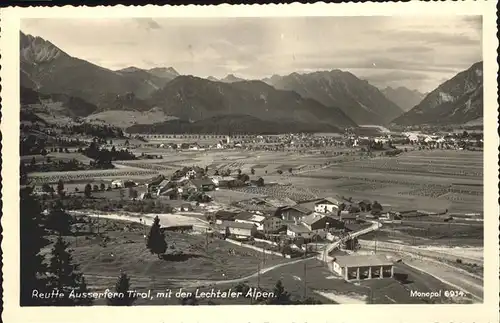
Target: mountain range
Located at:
point(61, 84)
point(360, 101)
point(456, 101)
point(405, 98)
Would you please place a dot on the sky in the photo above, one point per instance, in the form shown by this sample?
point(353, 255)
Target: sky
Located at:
point(416, 52)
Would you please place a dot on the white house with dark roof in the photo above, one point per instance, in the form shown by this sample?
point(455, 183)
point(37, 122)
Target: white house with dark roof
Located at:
point(299, 230)
point(327, 205)
point(239, 229)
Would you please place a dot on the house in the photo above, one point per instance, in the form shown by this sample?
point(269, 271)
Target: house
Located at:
point(164, 186)
point(250, 218)
point(294, 212)
point(240, 230)
point(298, 230)
point(272, 224)
point(222, 215)
point(365, 205)
point(315, 221)
point(348, 218)
point(223, 181)
point(256, 181)
point(202, 185)
point(117, 183)
point(327, 205)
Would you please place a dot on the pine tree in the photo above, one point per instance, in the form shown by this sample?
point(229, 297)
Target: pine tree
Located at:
point(281, 296)
point(122, 287)
point(156, 239)
point(60, 187)
point(65, 277)
point(58, 220)
point(88, 190)
point(32, 234)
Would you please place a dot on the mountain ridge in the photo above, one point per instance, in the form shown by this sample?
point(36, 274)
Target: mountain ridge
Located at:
point(360, 101)
point(405, 98)
point(456, 101)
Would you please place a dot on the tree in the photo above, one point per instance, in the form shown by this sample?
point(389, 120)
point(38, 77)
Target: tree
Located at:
point(102, 187)
point(281, 296)
point(290, 170)
point(47, 188)
point(63, 275)
point(156, 239)
point(376, 208)
point(60, 187)
point(32, 240)
point(58, 220)
point(95, 188)
point(88, 190)
point(252, 171)
point(132, 193)
point(260, 181)
point(280, 171)
point(121, 288)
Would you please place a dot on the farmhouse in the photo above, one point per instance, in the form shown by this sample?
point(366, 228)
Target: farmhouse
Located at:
point(223, 181)
point(256, 181)
point(164, 186)
point(298, 230)
point(327, 205)
point(272, 224)
point(314, 221)
point(240, 230)
point(294, 212)
point(202, 185)
point(251, 218)
point(348, 218)
point(222, 215)
point(363, 267)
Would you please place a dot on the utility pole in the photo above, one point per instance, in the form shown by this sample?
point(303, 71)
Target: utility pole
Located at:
point(206, 239)
point(305, 280)
point(258, 275)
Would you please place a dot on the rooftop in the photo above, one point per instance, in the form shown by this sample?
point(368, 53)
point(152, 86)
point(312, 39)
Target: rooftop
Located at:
point(362, 261)
point(244, 215)
point(225, 215)
point(238, 225)
point(311, 218)
point(298, 228)
point(330, 200)
point(201, 182)
point(299, 208)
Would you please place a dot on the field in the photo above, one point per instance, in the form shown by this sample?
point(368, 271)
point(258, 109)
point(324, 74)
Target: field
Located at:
point(190, 258)
point(433, 181)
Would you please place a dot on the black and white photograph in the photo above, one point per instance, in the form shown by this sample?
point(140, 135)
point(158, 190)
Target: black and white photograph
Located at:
point(301, 160)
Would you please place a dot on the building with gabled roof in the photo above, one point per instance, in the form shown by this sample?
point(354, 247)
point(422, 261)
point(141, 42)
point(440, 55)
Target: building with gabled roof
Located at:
point(294, 212)
point(363, 267)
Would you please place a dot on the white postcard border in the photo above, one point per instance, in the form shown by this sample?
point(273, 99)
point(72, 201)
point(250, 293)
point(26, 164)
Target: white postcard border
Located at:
point(9, 44)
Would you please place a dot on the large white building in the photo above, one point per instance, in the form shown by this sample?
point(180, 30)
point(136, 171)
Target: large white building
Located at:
point(327, 205)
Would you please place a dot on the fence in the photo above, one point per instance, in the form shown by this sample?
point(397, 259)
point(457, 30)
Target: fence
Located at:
point(265, 251)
